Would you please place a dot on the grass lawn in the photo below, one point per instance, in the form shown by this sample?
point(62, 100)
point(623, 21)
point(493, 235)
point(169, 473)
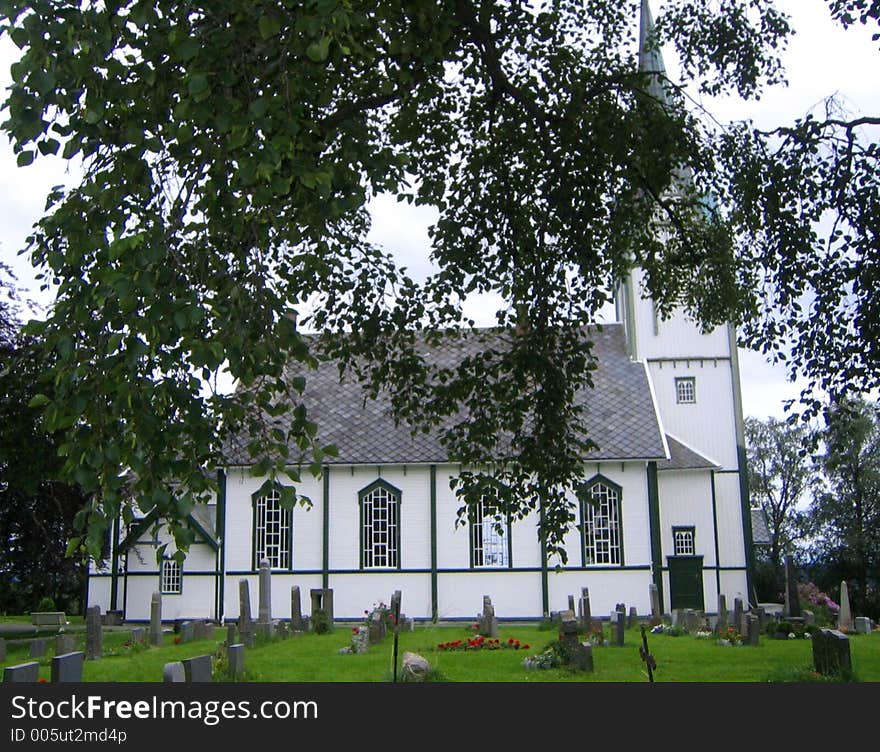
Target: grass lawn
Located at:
point(315, 658)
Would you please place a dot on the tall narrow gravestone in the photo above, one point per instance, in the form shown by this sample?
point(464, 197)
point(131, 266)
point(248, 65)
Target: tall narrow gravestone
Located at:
point(235, 657)
point(38, 648)
point(737, 613)
point(264, 616)
point(654, 594)
point(721, 623)
point(94, 633)
point(844, 616)
point(296, 619)
point(156, 619)
point(620, 626)
point(585, 616)
point(245, 625)
point(2, 649)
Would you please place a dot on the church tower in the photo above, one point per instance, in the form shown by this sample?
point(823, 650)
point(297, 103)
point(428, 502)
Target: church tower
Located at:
point(695, 378)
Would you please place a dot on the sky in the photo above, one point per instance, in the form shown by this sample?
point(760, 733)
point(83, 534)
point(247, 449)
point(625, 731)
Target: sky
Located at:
point(822, 59)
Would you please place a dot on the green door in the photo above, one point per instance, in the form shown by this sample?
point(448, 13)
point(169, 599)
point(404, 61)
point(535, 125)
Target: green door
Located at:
point(686, 582)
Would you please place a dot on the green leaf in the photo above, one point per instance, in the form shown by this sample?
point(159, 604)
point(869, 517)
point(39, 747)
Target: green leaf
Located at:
point(187, 49)
point(269, 26)
point(39, 400)
point(25, 158)
point(318, 51)
point(198, 84)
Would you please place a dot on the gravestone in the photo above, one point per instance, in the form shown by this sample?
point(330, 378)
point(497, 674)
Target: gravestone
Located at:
point(744, 624)
point(322, 600)
point(198, 669)
point(360, 640)
point(67, 668)
point(202, 630)
point(584, 615)
point(571, 606)
point(94, 633)
point(187, 631)
point(23, 672)
point(394, 608)
point(249, 639)
point(264, 616)
point(678, 617)
point(38, 648)
point(230, 635)
point(138, 636)
point(754, 627)
point(376, 627)
point(792, 600)
point(654, 594)
point(762, 616)
point(633, 618)
point(2, 649)
point(64, 643)
point(281, 630)
point(112, 618)
point(863, 625)
point(488, 624)
point(245, 624)
point(809, 617)
point(736, 621)
point(296, 619)
point(831, 652)
point(721, 622)
point(156, 619)
point(173, 672)
point(620, 626)
point(235, 658)
point(692, 621)
point(578, 655)
point(844, 616)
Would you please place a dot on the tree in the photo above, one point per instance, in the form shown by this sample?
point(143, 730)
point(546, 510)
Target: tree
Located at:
point(37, 511)
point(845, 513)
point(780, 476)
point(229, 151)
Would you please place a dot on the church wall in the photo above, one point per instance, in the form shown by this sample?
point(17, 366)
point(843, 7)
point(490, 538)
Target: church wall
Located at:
point(686, 501)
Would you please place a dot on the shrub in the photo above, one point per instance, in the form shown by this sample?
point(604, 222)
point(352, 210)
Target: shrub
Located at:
point(320, 621)
point(46, 604)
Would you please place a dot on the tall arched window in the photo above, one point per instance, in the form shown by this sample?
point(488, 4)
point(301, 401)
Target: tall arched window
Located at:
point(380, 526)
point(489, 546)
point(273, 533)
point(601, 523)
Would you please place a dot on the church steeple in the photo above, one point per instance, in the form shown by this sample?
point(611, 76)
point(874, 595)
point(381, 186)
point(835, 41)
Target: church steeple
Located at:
point(650, 57)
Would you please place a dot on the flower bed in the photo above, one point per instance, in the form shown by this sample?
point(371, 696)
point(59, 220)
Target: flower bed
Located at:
point(483, 643)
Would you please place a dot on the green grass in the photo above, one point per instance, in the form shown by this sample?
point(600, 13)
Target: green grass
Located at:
point(311, 657)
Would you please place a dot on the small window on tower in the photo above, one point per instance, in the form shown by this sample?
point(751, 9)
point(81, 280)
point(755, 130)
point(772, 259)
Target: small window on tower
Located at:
point(686, 390)
point(683, 541)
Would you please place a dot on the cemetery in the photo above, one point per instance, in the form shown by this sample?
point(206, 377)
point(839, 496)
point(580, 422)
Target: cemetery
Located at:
point(571, 645)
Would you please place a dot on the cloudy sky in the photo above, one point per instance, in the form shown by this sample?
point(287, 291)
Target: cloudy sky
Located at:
point(822, 59)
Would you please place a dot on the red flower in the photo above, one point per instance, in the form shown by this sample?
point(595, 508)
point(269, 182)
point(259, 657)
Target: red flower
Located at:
point(510, 641)
point(354, 630)
point(178, 640)
point(526, 646)
point(42, 681)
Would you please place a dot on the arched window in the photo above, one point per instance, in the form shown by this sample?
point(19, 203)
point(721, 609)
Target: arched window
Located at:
point(273, 533)
point(489, 546)
point(601, 523)
point(171, 577)
point(380, 526)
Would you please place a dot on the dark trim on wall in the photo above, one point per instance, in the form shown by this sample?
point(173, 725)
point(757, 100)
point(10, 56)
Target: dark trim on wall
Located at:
point(220, 585)
point(715, 534)
point(654, 524)
point(434, 590)
point(325, 530)
point(742, 462)
point(452, 570)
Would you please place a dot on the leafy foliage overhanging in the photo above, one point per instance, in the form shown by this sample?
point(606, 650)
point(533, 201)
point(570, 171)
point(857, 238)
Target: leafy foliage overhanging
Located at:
point(229, 149)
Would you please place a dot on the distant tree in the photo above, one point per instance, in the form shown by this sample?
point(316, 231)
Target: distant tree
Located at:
point(845, 513)
point(781, 475)
point(37, 511)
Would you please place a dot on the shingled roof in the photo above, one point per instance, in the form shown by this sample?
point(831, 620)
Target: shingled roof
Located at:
point(682, 457)
point(619, 412)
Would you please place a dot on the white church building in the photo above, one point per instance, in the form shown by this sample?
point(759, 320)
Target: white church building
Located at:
point(668, 485)
point(669, 492)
